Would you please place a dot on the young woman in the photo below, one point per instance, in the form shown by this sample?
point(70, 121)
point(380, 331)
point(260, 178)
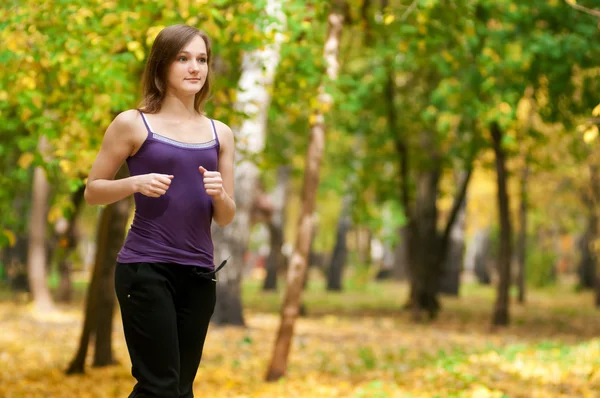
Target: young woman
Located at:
point(181, 167)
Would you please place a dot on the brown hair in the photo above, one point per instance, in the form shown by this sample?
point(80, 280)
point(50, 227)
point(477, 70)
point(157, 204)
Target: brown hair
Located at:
point(169, 42)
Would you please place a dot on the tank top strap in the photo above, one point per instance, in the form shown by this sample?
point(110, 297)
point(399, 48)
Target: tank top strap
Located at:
point(146, 123)
point(215, 135)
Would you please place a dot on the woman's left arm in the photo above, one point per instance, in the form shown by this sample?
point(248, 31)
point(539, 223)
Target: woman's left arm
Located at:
point(219, 184)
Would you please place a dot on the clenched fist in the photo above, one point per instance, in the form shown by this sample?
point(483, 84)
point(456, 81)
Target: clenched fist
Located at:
point(153, 185)
point(213, 183)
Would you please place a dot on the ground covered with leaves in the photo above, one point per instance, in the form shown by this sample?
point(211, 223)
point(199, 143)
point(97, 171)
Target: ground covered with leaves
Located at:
point(354, 344)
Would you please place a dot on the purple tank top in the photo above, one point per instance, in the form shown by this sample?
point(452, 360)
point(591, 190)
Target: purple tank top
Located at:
point(174, 228)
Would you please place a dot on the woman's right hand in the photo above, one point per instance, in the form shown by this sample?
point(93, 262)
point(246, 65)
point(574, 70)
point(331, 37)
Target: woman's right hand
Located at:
point(153, 185)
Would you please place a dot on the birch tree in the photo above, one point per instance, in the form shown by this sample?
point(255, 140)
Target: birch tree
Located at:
point(298, 262)
point(253, 99)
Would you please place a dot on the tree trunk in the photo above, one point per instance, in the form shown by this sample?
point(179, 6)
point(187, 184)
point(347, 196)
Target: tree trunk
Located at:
point(67, 242)
point(37, 253)
point(453, 265)
point(522, 238)
point(100, 294)
point(425, 271)
point(588, 259)
point(297, 267)
point(258, 71)
point(479, 253)
point(276, 261)
point(401, 268)
point(340, 251)
point(501, 311)
point(595, 193)
point(107, 258)
point(587, 262)
point(429, 248)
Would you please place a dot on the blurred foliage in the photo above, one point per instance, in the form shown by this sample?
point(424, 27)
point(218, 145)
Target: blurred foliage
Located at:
point(541, 266)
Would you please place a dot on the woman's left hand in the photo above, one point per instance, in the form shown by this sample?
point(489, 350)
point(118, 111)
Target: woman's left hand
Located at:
point(213, 183)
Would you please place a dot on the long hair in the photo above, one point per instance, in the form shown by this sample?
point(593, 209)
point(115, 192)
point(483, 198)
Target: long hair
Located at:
point(169, 42)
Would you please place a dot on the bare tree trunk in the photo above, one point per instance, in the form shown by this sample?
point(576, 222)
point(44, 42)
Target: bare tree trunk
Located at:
point(501, 311)
point(232, 241)
point(100, 294)
point(37, 253)
point(67, 241)
point(297, 267)
point(587, 262)
point(426, 245)
point(595, 193)
point(119, 214)
point(276, 261)
point(453, 265)
point(401, 267)
point(340, 251)
point(588, 258)
point(522, 239)
point(479, 250)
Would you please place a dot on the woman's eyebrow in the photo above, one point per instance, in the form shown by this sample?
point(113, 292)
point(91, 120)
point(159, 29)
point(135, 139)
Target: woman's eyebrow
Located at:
point(187, 52)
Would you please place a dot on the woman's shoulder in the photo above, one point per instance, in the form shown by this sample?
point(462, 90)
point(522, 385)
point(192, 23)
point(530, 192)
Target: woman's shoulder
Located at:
point(224, 132)
point(128, 126)
point(127, 119)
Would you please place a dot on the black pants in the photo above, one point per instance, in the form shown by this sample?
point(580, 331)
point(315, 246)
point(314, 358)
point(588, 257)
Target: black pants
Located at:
point(166, 310)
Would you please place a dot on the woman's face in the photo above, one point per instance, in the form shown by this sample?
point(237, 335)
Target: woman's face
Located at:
point(187, 74)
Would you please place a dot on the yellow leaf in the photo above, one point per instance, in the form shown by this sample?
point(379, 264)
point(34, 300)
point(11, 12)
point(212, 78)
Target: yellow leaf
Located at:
point(152, 32)
point(3, 96)
point(37, 101)
point(25, 160)
point(133, 45)
point(26, 114)
point(590, 134)
point(65, 165)
point(389, 19)
point(571, 1)
point(108, 4)
point(63, 78)
point(28, 82)
point(54, 214)
point(139, 54)
point(13, 45)
point(504, 107)
point(109, 19)
point(102, 100)
point(596, 111)
point(12, 239)
point(446, 55)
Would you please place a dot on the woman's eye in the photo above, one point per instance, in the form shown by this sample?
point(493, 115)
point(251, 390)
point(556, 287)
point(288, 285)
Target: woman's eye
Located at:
point(181, 59)
point(202, 60)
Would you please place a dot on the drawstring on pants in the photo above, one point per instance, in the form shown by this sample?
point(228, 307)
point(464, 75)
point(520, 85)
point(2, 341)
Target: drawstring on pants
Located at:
point(211, 274)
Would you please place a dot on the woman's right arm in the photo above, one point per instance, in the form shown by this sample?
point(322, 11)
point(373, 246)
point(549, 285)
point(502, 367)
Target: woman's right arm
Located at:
point(117, 145)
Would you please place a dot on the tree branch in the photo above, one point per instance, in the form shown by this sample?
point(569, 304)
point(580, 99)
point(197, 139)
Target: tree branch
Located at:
point(409, 10)
point(589, 11)
point(458, 200)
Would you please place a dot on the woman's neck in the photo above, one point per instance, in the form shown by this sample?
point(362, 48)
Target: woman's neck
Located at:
point(177, 107)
